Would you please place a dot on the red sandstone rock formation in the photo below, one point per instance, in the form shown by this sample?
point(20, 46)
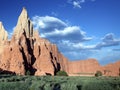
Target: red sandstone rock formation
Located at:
point(26, 51)
point(83, 66)
point(112, 69)
point(90, 66)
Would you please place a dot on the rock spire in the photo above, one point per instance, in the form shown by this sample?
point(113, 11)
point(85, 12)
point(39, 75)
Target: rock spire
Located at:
point(3, 33)
point(23, 24)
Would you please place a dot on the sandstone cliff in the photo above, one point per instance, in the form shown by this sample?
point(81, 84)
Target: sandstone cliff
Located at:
point(3, 33)
point(26, 51)
point(84, 66)
point(90, 66)
point(3, 37)
point(112, 69)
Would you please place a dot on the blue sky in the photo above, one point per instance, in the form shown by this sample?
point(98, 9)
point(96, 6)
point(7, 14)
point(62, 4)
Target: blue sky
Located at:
point(81, 28)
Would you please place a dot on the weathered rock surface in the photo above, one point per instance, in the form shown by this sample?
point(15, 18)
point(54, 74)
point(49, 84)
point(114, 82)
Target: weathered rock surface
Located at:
point(90, 66)
point(3, 33)
point(3, 37)
point(23, 23)
point(27, 52)
point(112, 69)
point(84, 66)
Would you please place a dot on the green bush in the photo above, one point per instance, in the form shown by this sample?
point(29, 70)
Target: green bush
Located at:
point(61, 73)
point(98, 73)
point(28, 72)
point(119, 71)
point(59, 83)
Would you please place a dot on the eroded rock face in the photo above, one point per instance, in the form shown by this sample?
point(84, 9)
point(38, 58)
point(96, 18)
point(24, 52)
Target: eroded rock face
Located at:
point(112, 69)
point(83, 66)
point(12, 59)
point(3, 37)
point(3, 33)
point(23, 23)
point(26, 51)
point(45, 57)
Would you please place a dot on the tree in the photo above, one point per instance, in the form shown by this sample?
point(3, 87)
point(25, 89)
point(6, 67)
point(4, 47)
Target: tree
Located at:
point(98, 73)
point(61, 73)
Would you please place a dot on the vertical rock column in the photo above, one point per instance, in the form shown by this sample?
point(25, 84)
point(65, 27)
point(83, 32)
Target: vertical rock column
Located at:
point(3, 36)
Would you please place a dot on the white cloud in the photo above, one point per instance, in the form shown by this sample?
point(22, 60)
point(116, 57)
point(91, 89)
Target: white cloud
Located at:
point(54, 28)
point(65, 31)
point(107, 41)
point(47, 22)
point(58, 31)
point(76, 4)
point(76, 46)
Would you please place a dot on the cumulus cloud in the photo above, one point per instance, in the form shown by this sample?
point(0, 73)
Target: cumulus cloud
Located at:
point(107, 41)
point(47, 23)
point(61, 33)
point(70, 46)
point(76, 4)
point(64, 32)
point(56, 29)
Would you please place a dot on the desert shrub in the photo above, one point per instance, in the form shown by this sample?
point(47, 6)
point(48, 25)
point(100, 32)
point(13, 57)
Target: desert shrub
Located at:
point(98, 73)
point(59, 83)
point(28, 72)
point(61, 73)
point(119, 71)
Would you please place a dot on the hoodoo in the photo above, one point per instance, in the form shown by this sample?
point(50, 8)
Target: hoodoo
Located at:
point(3, 33)
point(23, 24)
point(3, 37)
point(27, 52)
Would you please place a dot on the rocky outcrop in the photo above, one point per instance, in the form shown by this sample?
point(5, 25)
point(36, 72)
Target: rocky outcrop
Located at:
point(23, 23)
point(90, 66)
point(83, 66)
point(3, 37)
point(112, 69)
point(27, 52)
point(3, 33)
point(13, 57)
